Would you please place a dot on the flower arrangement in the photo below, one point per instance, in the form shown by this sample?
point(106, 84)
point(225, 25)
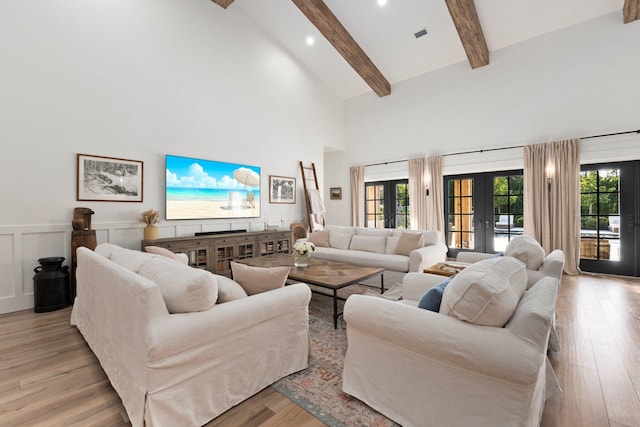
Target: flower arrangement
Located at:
point(304, 248)
point(150, 217)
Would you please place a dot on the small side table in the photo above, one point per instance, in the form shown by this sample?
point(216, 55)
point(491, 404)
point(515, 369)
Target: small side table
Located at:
point(445, 269)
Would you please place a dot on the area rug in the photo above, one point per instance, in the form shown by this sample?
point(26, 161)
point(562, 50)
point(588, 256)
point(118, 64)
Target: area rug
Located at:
point(318, 389)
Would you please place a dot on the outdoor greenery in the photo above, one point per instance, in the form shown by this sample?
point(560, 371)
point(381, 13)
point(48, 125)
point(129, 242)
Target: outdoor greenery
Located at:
point(508, 199)
point(599, 197)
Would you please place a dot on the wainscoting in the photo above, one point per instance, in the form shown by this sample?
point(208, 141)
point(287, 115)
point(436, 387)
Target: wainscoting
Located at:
point(22, 246)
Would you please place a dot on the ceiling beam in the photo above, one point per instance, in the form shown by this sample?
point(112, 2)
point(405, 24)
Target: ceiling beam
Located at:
point(326, 22)
point(631, 10)
point(465, 18)
point(223, 3)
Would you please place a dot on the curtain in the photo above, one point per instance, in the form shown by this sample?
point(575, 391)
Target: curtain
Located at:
point(536, 195)
point(564, 202)
point(417, 194)
point(435, 207)
point(357, 196)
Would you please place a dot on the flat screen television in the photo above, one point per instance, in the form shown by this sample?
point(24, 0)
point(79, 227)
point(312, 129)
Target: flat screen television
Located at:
point(208, 189)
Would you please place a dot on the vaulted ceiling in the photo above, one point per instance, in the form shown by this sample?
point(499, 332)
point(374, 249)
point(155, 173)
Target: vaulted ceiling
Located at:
point(360, 45)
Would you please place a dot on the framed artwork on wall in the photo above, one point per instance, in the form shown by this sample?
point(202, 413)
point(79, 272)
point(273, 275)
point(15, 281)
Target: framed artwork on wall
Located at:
point(109, 179)
point(282, 189)
point(335, 193)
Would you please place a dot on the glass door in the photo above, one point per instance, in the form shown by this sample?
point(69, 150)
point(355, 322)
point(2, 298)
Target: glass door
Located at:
point(609, 218)
point(387, 204)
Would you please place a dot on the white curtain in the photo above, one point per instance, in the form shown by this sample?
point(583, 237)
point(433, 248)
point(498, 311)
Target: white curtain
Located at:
point(417, 194)
point(357, 196)
point(435, 207)
point(564, 201)
point(536, 195)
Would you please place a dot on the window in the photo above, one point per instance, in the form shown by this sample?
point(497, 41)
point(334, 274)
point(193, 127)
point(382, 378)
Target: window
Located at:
point(387, 204)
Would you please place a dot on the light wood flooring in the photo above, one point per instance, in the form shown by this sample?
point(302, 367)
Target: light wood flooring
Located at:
point(48, 375)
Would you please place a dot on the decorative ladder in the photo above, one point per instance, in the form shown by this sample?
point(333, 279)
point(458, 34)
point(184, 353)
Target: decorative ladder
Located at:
point(309, 176)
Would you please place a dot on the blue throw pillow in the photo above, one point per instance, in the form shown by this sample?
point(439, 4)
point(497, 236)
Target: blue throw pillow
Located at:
point(498, 255)
point(433, 297)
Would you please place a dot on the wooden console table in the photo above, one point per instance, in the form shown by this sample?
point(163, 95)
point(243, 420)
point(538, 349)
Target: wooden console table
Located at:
point(215, 252)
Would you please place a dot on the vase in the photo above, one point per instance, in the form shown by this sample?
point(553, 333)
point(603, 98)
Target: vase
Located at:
point(151, 232)
point(301, 260)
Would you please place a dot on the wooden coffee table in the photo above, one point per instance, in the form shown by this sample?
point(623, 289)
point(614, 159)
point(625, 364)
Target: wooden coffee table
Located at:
point(447, 269)
point(329, 275)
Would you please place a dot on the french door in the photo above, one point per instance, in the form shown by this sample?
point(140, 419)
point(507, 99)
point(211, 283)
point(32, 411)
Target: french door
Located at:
point(483, 211)
point(610, 218)
point(387, 204)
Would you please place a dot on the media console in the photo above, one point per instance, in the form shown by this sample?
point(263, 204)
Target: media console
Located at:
point(214, 252)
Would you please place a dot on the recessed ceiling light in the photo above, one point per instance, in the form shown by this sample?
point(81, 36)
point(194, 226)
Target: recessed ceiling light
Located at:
point(382, 2)
point(310, 40)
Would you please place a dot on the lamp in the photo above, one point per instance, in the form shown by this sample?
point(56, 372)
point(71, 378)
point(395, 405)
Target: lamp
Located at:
point(550, 172)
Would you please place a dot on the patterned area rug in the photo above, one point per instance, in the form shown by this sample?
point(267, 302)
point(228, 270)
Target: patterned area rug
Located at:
point(318, 389)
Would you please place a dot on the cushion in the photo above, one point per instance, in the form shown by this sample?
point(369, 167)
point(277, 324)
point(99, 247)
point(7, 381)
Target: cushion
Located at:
point(339, 240)
point(128, 258)
point(319, 238)
point(181, 258)
point(229, 290)
point(408, 242)
point(392, 243)
point(487, 292)
point(340, 229)
point(432, 299)
point(368, 243)
point(430, 237)
point(378, 232)
point(183, 288)
point(255, 280)
point(526, 249)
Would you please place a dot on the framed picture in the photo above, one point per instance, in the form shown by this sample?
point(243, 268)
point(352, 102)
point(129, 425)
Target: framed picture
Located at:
point(335, 193)
point(282, 189)
point(108, 179)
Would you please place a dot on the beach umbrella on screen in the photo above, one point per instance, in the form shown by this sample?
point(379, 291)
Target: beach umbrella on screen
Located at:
point(247, 177)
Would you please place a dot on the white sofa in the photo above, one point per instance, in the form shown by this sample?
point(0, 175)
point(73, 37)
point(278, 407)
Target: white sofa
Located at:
point(375, 247)
point(426, 368)
point(184, 369)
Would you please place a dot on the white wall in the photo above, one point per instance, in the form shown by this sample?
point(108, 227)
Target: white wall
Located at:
point(579, 81)
point(138, 79)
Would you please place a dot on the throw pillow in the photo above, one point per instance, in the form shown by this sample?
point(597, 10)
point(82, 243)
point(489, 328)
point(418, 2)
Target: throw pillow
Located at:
point(319, 238)
point(408, 242)
point(432, 299)
point(526, 249)
point(183, 288)
point(229, 290)
point(339, 240)
point(368, 243)
point(181, 258)
point(255, 280)
point(430, 237)
point(487, 292)
point(392, 243)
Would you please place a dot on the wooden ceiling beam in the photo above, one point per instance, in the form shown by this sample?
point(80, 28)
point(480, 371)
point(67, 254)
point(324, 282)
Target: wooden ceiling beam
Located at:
point(631, 10)
point(330, 27)
point(223, 3)
point(465, 18)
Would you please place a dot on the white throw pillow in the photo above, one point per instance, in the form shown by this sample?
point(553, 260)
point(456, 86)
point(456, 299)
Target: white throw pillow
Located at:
point(392, 243)
point(430, 237)
point(229, 290)
point(339, 240)
point(183, 288)
point(255, 280)
point(487, 292)
point(526, 249)
point(181, 258)
point(369, 231)
point(127, 258)
point(368, 244)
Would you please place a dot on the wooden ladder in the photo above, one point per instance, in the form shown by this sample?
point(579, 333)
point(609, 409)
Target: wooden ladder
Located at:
point(309, 177)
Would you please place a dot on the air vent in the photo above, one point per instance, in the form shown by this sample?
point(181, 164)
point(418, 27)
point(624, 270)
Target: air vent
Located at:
point(420, 33)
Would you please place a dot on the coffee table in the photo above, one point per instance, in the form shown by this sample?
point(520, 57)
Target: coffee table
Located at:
point(329, 275)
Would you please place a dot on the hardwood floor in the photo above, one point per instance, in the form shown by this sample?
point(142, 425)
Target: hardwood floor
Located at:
point(48, 375)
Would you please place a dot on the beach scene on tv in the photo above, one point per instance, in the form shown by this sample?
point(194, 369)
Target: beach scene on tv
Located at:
point(205, 189)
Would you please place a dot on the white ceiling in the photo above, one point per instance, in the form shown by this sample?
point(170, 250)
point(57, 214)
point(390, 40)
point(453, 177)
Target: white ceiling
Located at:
point(386, 33)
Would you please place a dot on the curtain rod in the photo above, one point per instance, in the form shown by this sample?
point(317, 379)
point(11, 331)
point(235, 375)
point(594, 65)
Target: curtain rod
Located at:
point(508, 148)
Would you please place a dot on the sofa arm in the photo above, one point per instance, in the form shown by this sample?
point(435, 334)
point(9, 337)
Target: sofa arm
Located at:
point(179, 333)
point(414, 285)
point(426, 256)
point(553, 264)
point(439, 339)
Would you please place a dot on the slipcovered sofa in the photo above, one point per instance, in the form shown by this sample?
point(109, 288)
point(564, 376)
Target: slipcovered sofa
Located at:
point(186, 346)
point(480, 360)
point(379, 247)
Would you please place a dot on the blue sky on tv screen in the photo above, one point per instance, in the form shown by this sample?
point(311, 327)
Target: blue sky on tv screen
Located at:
point(187, 172)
